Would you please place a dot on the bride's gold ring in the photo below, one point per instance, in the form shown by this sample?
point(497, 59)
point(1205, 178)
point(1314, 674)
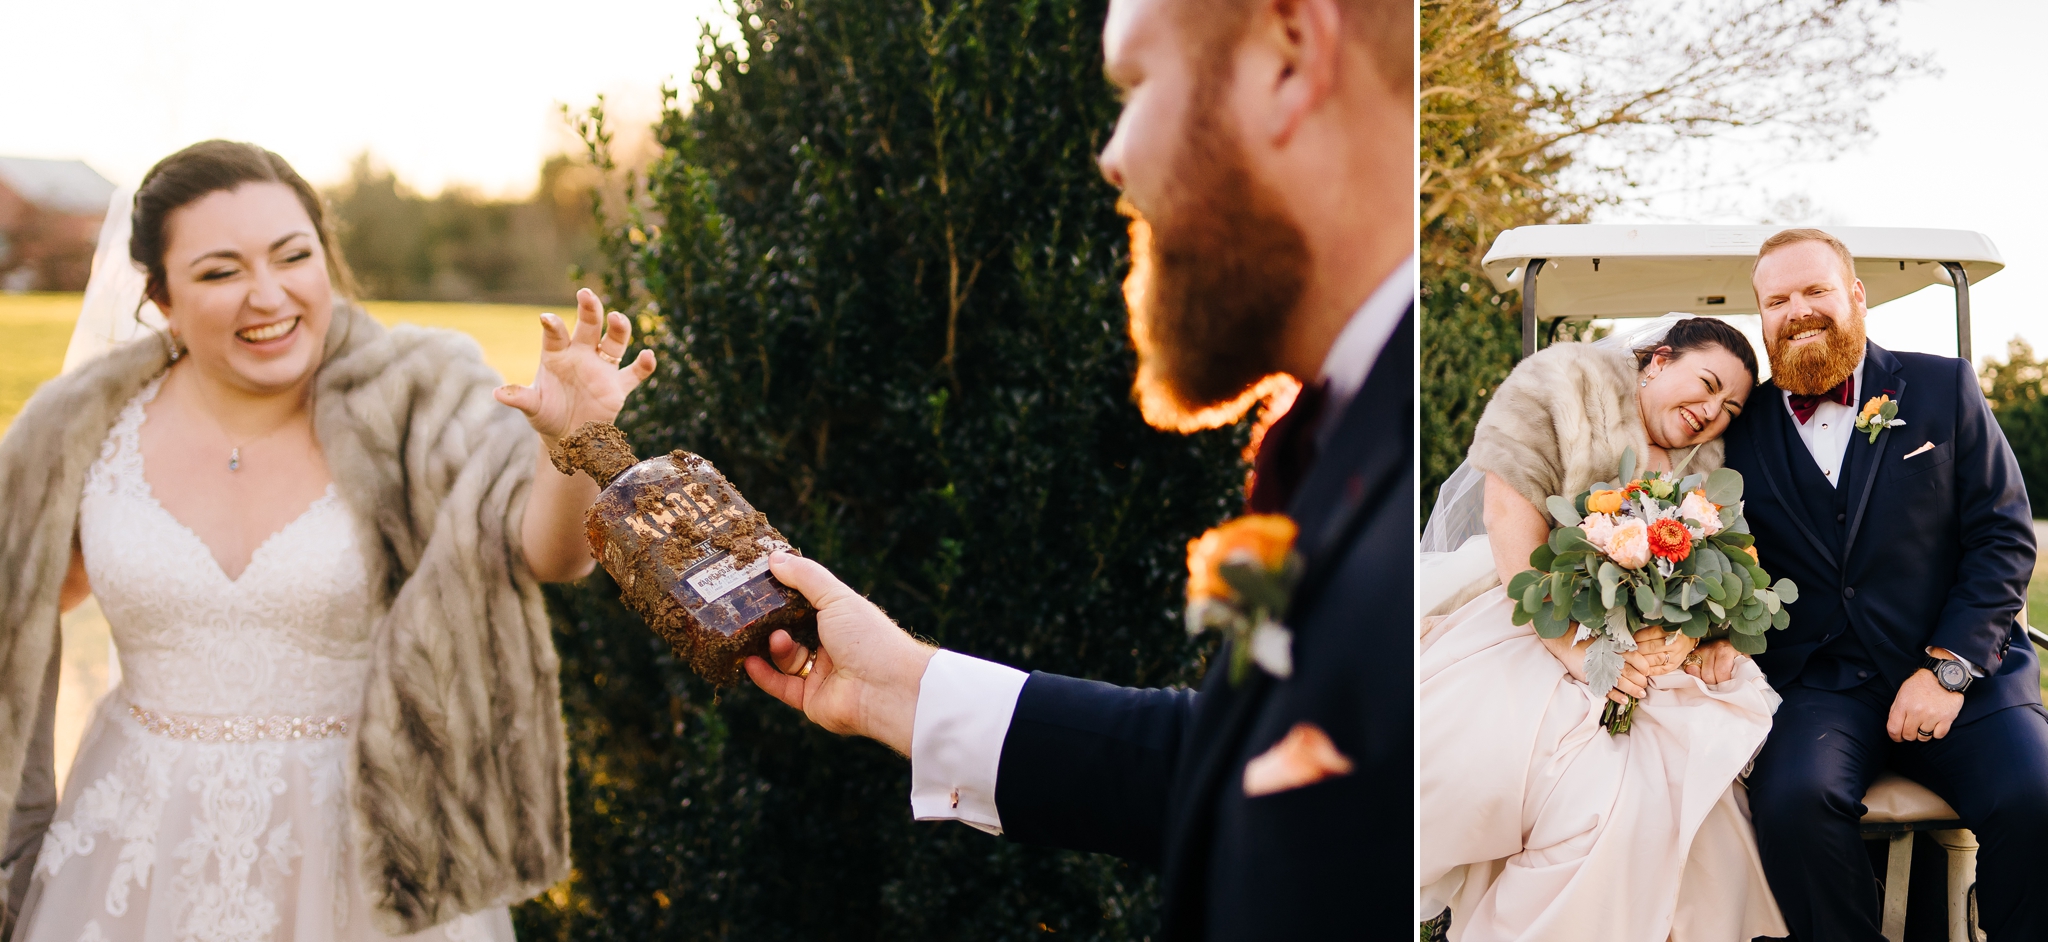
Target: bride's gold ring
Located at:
point(808, 663)
point(608, 358)
point(1692, 659)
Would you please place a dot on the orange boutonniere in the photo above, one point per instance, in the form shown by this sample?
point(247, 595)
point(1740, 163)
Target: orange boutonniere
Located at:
point(1240, 577)
point(1878, 414)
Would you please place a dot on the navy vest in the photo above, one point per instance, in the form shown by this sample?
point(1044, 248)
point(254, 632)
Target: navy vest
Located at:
point(1841, 662)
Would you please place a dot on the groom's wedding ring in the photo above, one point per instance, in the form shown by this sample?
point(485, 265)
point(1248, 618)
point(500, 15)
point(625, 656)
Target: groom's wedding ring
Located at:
point(1927, 734)
point(808, 663)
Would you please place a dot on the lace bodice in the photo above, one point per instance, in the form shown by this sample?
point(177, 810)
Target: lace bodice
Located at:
point(289, 637)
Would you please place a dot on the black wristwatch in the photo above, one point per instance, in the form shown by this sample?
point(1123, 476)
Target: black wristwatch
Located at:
point(1951, 674)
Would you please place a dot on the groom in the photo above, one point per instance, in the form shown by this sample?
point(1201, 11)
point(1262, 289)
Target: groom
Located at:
point(1912, 553)
point(1268, 145)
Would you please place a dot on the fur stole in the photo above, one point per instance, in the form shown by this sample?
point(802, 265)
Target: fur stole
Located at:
point(458, 788)
point(1561, 421)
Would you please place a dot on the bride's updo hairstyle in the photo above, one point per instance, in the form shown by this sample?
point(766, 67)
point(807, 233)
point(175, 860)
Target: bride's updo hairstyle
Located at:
point(1700, 333)
point(209, 167)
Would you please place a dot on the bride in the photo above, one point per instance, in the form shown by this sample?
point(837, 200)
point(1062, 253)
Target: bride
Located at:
point(317, 543)
point(1535, 823)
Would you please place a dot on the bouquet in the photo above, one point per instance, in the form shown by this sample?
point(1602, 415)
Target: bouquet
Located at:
point(1657, 550)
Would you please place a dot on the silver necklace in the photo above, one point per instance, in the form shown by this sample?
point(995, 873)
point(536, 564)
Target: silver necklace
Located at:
point(235, 450)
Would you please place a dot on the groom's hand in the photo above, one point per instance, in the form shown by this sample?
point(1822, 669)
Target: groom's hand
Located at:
point(1923, 710)
point(865, 679)
point(1716, 662)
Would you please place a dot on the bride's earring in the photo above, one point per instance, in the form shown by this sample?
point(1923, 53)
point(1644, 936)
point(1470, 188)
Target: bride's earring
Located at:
point(172, 344)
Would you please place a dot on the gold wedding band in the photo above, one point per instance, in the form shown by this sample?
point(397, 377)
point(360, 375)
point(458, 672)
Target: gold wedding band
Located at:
point(1693, 659)
point(808, 662)
point(608, 358)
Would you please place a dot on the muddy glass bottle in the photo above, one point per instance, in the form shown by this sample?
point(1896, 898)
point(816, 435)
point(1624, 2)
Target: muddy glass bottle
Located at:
point(689, 553)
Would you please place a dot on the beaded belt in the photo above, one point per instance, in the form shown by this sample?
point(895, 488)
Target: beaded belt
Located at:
point(239, 728)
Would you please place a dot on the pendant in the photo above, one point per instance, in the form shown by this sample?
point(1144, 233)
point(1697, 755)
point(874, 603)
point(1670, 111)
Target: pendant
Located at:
point(235, 459)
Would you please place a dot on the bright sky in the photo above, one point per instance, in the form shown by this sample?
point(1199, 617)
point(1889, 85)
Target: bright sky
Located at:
point(441, 91)
point(1953, 152)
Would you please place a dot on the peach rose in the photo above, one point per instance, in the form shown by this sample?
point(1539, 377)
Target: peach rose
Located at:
point(1598, 528)
point(1696, 506)
point(1875, 406)
point(1629, 545)
point(1265, 538)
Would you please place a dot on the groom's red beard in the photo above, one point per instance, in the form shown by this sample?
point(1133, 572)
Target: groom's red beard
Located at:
point(1213, 282)
point(1814, 368)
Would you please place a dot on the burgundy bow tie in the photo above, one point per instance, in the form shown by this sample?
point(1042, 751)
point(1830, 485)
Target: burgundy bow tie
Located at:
point(1803, 406)
point(1286, 453)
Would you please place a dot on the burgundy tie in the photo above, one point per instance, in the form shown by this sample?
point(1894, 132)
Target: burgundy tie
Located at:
point(1803, 406)
point(1286, 453)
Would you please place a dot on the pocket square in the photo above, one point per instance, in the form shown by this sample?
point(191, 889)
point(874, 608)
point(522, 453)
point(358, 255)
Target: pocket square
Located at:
point(1923, 449)
point(1304, 756)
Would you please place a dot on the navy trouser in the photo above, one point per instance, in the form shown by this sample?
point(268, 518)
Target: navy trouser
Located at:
point(1806, 797)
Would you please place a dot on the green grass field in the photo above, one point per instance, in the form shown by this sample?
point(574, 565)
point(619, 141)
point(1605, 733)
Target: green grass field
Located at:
point(38, 329)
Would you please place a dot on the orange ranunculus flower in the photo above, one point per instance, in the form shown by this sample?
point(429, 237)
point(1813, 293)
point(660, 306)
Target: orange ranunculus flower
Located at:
point(1875, 405)
point(1753, 557)
point(1671, 540)
point(1266, 538)
point(1604, 502)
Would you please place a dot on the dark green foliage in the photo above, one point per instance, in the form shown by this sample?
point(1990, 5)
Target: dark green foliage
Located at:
point(1471, 338)
point(882, 277)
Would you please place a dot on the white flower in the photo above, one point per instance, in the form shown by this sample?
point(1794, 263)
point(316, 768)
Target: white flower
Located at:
point(1697, 507)
point(1629, 545)
point(1598, 528)
point(1273, 649)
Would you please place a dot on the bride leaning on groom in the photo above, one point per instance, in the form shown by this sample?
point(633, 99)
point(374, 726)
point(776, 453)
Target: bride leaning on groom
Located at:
point(1730, 810)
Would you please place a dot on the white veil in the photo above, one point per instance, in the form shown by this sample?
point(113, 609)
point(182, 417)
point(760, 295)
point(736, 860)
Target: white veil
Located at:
point(1452, 553)
point(114, 311)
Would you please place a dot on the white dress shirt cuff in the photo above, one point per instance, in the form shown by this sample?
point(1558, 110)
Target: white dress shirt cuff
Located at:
point(964, 706)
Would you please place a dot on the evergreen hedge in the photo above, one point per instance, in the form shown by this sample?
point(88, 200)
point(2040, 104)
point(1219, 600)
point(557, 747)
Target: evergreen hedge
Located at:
point(882, 276)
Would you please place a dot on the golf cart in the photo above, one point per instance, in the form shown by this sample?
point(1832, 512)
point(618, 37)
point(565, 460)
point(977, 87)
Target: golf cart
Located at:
point(1581, 273)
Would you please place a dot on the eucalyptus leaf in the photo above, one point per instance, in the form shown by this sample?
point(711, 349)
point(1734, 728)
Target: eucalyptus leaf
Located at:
point(1628, 467)
point(1724, 486)
point(1786, 591)
point(1696, 629)
point(1563, 511)
point(1720, 614)
point(1750, 644)
point(1542, 556)
point(1780, 619)
point(1520, 582)
point(1646, 600)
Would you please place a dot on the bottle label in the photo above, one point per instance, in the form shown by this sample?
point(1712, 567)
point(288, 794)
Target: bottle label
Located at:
point(715, 578)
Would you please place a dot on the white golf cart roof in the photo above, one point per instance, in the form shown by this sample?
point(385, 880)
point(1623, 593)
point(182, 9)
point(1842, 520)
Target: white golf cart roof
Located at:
point(1607, 271)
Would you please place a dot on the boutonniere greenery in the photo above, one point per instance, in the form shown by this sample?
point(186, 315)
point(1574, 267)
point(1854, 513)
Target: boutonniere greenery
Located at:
point(1878, 414)
point(1241, 575)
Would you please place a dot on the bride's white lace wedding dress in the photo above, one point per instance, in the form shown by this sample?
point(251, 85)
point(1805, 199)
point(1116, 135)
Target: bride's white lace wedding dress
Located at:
point(209, 798)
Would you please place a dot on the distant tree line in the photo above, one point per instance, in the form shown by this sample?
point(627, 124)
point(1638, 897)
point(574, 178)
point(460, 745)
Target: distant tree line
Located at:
point(462, 246)
point(2015, 390)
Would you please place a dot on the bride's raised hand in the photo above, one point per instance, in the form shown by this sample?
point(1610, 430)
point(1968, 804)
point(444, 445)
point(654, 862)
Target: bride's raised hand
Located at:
point(580, 379)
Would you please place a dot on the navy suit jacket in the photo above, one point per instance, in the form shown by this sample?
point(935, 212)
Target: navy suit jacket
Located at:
point(1157, 776)
point(1939, 546)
